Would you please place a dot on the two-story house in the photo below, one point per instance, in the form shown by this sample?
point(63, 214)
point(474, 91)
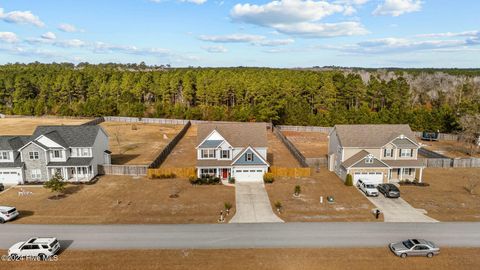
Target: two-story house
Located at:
point(73, 151)
point(376, 153)
point(236, 150)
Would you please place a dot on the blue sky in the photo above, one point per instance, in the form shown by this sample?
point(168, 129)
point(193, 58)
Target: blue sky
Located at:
point(282, 33)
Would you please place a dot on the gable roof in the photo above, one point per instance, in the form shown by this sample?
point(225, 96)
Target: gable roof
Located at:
point(256, 161)
point(12, 142)
point(69, 136)
point(354, 161)
point(210, 144)
point(237, 134)
point(374, 136)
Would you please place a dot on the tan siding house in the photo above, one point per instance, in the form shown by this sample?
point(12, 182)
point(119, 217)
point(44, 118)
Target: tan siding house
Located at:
point(375, 153)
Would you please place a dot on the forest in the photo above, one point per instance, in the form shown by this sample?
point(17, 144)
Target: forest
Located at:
point(427, 100)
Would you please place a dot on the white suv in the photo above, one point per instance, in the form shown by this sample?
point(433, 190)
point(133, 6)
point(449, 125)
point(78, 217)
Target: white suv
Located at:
point(41, 247)
point(368, 188)
point(7, 213)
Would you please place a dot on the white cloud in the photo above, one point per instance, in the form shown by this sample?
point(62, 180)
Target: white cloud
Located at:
point(21, 17)
point(215, 49)
point(299, 17)
point(352, 2)
point(398, 7)
point(49, 36)
point(450, 34)
point(71, 43)
point(101, 47)
point(8, 37)
point(246, 38)
point(65, 27)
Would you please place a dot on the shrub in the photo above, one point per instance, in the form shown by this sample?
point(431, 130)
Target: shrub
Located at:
point(192, 179)
point(349, 180)
point(228, 206)
point(278, 205)
point(297, 190)
point(205, 180)
point(231, 180)
point(268, 178)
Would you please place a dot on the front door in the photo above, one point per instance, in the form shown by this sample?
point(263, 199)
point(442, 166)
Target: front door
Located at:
point(224, 173)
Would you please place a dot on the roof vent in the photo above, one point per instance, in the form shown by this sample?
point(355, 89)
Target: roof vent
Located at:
point(402, 136)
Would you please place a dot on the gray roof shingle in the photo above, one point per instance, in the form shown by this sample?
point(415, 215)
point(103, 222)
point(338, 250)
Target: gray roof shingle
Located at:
point(73, 162)
point(237, 134)
point(69, 136)
point(374, 136)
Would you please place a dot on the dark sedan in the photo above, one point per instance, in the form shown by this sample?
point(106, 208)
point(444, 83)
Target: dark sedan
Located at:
point(389, 190)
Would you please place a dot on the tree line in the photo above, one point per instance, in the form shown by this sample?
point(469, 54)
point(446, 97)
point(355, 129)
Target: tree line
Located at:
point(282, 96)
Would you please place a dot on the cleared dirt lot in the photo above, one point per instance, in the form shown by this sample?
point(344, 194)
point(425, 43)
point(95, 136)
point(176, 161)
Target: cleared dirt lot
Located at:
point(26, 126)
point(349, 205)
point(184, 154)
point(278, 154)
point(310, 144)
point(446, 198)
point(124, 200)
point(452, 149)
point(246, 259)
point(138, 143)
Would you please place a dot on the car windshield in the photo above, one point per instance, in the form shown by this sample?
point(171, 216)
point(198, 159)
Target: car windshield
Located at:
point(370, 186)
point(11, 210)
point(53, 243)
point(408, 244)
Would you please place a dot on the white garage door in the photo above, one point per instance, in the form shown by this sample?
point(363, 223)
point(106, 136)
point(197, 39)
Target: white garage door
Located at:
point(10, 176)
point(371, 177)
point(249, 174)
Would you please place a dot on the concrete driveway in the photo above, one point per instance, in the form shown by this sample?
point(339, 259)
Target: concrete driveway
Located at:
point(398, 210)
point(252, 204)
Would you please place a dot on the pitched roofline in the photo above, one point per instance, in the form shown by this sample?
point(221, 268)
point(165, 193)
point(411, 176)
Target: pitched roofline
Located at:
point(43, 135)
point(30, 143)
point(210, 134)
point(253, 150)
point(365, 157)
point(405, 137)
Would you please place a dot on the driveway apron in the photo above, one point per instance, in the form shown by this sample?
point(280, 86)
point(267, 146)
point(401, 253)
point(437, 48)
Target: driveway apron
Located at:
point(398, 210)
point(252, 204)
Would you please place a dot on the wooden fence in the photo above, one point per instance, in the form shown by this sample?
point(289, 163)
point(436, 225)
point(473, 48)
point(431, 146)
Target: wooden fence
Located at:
point(442, 136)
point(451, 162)
point(169, 147)
point(179, 172)
point(325, 130)
point(291, 172)
point(135, 170)
point(295, 152)
point(317, 162)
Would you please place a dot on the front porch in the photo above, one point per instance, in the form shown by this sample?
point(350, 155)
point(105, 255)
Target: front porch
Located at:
point(72, 174)
point(405, 173)
point(222, 173)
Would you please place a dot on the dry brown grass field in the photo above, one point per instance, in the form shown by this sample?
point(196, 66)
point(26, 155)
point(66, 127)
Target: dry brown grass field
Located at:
point(452, 149)
point(253, 259)
point(26, 126)
point(349, 205)
point(138, 143)
point(310, 144)
point(446, 199)
point(123, 200)
point(184, 154)
point(278, 154)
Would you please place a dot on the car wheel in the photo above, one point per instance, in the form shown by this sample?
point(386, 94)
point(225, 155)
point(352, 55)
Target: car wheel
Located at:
point(403, 255)
point(430, 255)
point(42, 257)
point(2, 220)
point(14, 257)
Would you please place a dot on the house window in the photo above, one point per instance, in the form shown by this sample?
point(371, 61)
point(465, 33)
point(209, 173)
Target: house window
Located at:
point(36, 174)
point(208, 153)
point(225, 153)
point(249, 157)
point(57, 153)
point(388, 152)
point(407, 171)
point(369, 159)
point(4, 155)
point(210, 172)
point(33, 155)
point(406, 152)
point(85, 152)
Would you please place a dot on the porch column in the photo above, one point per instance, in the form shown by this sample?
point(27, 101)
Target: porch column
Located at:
point(420, 175)
point(401, 174)
point(76, 173)
point(65, 173)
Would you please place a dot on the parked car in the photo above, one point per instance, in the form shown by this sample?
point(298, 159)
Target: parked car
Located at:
point(40, 247)
point(414, 247)
point(368, 188)
point(7, 213)
point(2, 187)
point(389, 190)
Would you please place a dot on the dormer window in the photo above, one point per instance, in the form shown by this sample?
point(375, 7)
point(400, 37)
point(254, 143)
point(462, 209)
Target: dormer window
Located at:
point(369, 159)
point(225, 154)
point(4, 155)
point(57, 153)
point(249, 157)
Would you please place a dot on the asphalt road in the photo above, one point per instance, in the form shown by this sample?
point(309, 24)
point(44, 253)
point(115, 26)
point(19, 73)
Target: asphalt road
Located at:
point(224, 236)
